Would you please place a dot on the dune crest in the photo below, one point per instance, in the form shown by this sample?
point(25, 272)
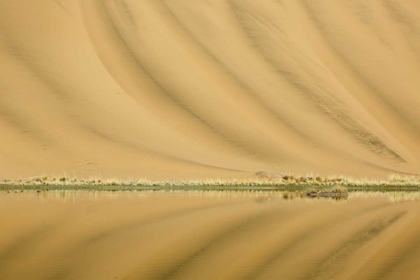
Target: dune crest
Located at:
point(191, 89)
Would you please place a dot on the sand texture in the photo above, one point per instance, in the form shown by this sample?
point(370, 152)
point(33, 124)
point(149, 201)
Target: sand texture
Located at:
point(127, 236)
point(179, 89)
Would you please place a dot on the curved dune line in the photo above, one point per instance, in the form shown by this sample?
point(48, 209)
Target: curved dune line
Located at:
point(196, 89)
point(282, 248)
point(138, 83)
point(185, 236)
point(328, 101)
point(385, 257)
point(278, 105)
point(160, 244)
point(236, 122)
point(148, 229)
point(320, 23)
point(334, 263)
point(372, 141)
point(321, 264)
point(175, 269)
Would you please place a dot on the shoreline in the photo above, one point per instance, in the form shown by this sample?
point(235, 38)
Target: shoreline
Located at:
point(256, 188)
point(261, 181)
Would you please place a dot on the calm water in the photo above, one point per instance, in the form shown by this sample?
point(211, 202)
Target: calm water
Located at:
point(208, 235)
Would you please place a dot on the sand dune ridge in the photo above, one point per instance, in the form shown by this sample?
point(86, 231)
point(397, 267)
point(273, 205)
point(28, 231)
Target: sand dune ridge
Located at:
point(192, 89)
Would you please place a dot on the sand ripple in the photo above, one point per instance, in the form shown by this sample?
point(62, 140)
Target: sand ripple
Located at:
point(186, 89)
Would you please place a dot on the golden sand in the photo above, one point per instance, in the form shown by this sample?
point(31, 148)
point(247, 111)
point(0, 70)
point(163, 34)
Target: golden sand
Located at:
point(185, 89)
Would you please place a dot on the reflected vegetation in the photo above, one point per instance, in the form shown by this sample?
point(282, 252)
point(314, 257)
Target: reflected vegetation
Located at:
point(185, 235)
point(258, 196)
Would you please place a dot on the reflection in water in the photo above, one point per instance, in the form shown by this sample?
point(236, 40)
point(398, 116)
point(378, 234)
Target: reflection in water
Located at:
point(302, 196)
point(391, 196)
point(208, 235)
point(259, 196)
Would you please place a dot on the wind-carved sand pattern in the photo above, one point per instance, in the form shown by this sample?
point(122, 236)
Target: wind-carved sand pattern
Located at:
point(316, 97)
point(186, 89)
point(207, 235)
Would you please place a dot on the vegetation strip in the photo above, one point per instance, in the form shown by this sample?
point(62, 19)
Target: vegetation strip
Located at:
point(262, 181)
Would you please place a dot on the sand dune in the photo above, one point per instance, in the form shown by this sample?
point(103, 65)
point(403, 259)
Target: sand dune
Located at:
point(192, 89)
point(73, 235)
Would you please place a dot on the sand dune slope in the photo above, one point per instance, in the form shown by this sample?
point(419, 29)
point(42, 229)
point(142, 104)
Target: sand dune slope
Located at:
point(205, 236)
point(182, 89)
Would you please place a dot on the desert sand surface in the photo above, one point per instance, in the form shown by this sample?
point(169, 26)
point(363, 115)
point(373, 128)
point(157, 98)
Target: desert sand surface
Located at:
point(207, 235)
point(186, 89)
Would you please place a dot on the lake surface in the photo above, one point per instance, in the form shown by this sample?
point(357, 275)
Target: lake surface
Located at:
point(208, 235)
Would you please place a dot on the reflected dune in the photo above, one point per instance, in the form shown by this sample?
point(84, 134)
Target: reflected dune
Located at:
point(207, 235)
point(204, 95)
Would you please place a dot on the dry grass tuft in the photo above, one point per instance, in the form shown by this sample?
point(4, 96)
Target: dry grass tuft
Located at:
point(337, 184)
